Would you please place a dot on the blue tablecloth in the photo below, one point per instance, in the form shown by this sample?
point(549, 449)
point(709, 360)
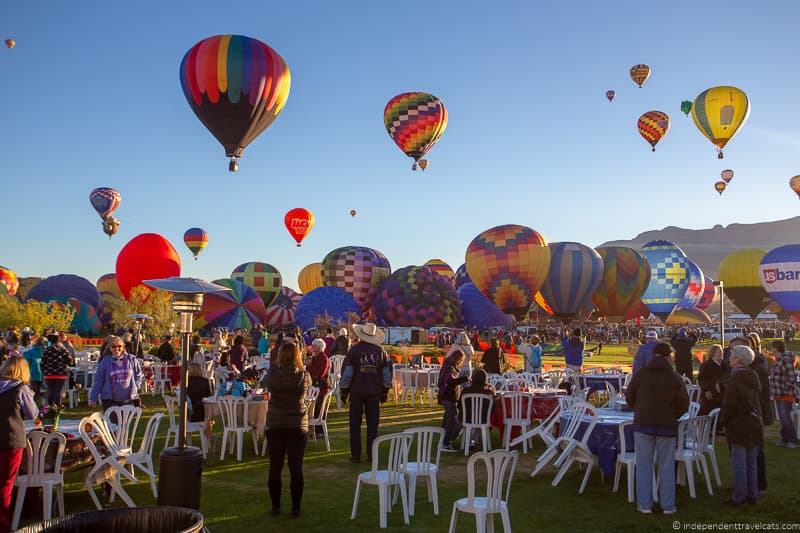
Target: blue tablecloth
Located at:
point(604, 440)
point(598, 382)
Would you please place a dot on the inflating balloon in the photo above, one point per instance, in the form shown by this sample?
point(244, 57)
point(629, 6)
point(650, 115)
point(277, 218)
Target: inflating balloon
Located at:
point(65, 286)
point(575, 273)
point(610, 95)
point(146, 256)
point(263, 277)
point(331, 302)
point(478, 311)
point(282, 310)
point(105, 201)
point(237, 86)
point(310, 278)
point(720, 186)
point(241, 307)
point(739, 272)
point(637, 310)
point(195, 240)
point(416, 296)
point(794, 183)
point(85, 320)
point(461, 276)
point(107, 286)
point(442, 268)
point(8, 279)
point(509, 264)
point(726, 175)
point(626, 274)
point(709, 294)
point(10, 43)
point(639, 74)
point(669, 277)
point(780, 276)
point(695, 289)
point(686, 107)
point(358, 270)
point(299, 222)
point(653, 126)
point(415, 122)
point(719, 113)
point(690, 316)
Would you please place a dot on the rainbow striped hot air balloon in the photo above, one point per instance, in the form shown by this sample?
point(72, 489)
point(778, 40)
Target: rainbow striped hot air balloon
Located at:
point(442, 268)
point(282, 310)
point(237, 86)
point(669, 277)
point(575, 273)
point(195, 240)
point(626, 274)
point(415, 122)
point(241, 307)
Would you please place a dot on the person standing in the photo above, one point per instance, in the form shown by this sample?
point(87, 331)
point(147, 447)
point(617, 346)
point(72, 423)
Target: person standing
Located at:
point(658, 398)
point(238, 355)
point(366, 380)
point(449, 394)
point(645, 352)
point(710, 378)
point(166, 352)
point(342, 343)
point(199, 388)
point(287, 423)
point(533, 359)
point(328, 339)
point(683, 343)
point(761, 368)
point(574, 346)
point(741, 417)
point(117, 379)
point(16, 405)
point(782, 381)
point(464, 346)
point(494, 358)
point(55, 363)
point(34, 358)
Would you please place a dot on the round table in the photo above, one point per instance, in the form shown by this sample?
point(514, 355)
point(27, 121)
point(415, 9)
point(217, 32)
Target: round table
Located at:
point(597, 382)
point(604, 440)
point(256, 412)
point(545, 401)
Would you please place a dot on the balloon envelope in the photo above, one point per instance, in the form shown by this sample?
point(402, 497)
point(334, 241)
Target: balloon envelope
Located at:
point(65, 286)
point(653, 126)
point(417, 296)
point(441, 268)
point(709, 294)
point(720, 112)
point(726, 175)
point(310, 278)
point(575, 273)
point(25, 286)
point(358, 270)
point(241, 307)
point(282, 310)
point(105, 201)
point(639, 74)
point(720, 186)
point(794, 184)
point(610, 95)
point(688, 316)
point(461, 276)
point(686, 107)
point(478, 311)
point(415, 122)
point(325, 301)
point(696, 287)
point(85, 321)
point(669, 277)
point(8, 279)
point(780, 276)
point(299, 222)
point(195, 240)
point(146, 256)
point(509, 264)
point(738, 272)
point(626, 274)
point(262, 277)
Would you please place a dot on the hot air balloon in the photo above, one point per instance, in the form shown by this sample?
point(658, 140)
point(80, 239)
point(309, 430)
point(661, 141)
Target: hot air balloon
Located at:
point(107, 286)
point(85, 320)
point(478, 311)
point(709, 294)
point(353, 213)
point(105, 201)
point(442, 268)
point(686, 107)
point(358, 270)
point(779, 271)
point(332, 302)
point(719, 113)
point(415, 122)
point(695, 289)
point(739, 273)
point(726, 175)
point(691, 316)
point(237, 86)
point(610, 95)
point(8, 279)
point(575, 273)
point(509, 264)
point(794, 183)
point(720, 186)
point(626, 274)
point(65, 286)
point(299, 222)
point(637, 310)
point(241, 307)
point(282, 310)
point(10, 43)
point(540, 303)
point(653, 126)
point(195, 240)
point(639, 74)
point(146, 256)
point(417, 296)
point(310, 277)
point(669, 277)
point(461, 276)
point(263, 277)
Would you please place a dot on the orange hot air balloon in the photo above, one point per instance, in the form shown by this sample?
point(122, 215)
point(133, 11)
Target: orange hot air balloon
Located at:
point(720, 186)
point(653, 126)
point(10, 43)
point(726, 175)
point(299, 222)
point(639, 74)
point(794, 183)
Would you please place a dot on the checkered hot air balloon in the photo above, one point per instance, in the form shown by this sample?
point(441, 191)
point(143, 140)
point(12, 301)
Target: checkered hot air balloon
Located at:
point(241, 307)
point(415, 122)
point(669, 277)
point(441, 268)
point(283, 308)
point(653, 126)
point(626, 274)
point(358, 270)
point(461, 276)
point(417, 296)
point(195, 240)
point(263, 277)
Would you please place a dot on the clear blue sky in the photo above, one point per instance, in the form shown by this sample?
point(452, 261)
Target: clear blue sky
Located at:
point(90, 97)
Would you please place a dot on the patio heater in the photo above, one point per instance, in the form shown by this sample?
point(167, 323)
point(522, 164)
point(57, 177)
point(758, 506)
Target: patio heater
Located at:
point(139, 320)
point(181, 467)
point(721, 286)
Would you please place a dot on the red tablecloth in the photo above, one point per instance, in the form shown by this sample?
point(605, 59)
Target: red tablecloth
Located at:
point(173, 373)
point(542, 407)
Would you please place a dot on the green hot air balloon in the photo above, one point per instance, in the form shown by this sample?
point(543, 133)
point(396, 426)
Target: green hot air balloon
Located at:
point(686, 107)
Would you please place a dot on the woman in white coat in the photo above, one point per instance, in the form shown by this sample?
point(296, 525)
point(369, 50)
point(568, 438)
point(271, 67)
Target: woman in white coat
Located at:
point(463, 345)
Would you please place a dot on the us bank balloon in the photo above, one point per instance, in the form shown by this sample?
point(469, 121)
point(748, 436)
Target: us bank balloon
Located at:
point(575, 273)
point(669, 277)
point(739, 273)
point(415, 122)
point(780, 276)
point(719, 113)
point(626, 274)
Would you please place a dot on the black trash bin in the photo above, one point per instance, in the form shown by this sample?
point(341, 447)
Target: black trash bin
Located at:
point(145, 519)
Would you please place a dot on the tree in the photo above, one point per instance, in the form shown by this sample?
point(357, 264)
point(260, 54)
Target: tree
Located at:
point(36, 315)
point(157, 304)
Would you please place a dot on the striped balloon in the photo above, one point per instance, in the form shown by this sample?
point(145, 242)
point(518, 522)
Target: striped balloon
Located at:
point(669, 277)
point(653, 126)
point(241, 307)
point(281, 312)
point(415, 122)
point(442, 268)
point(575, 273)
point(105, 201)
point(695, 289)
point(626, 274)
point(195, 240)
point(709, 294)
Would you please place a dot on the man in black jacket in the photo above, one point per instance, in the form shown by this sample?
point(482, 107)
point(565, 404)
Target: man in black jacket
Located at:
point(683, 344)
point(658, 397)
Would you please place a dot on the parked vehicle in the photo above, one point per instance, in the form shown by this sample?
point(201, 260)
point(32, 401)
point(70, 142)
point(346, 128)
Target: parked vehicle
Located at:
point(729, 333)
point(404, 336)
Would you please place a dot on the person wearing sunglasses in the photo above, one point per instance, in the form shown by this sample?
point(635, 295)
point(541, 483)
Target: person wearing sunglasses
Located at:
point(117, 379)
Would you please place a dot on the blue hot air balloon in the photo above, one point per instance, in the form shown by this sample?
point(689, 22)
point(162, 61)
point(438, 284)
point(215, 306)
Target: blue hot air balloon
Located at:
point(325, 301)
point(780, 276)
point(479, 311)
point(695, 290)
point(669, 277)
point(575, 273)
point(461, 276)
point(65, 286)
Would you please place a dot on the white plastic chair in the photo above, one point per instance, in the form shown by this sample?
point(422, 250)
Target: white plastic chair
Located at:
point(516, 384)
point(38, 475)
point(107, 468)
point(126, 418)
point(478, 419)
point(426, 465)
point(500, 467)
point(517, 407)
point(626, 459)
point(229, 408)
point(576, 412)
point(143, 458)
point(385, 479)
point(191, 427)
point(320, 421)
point(433, 387)
point(545, 430)
point(694, 408)
point(497, 381)
point(409, 387)
point(554, 378)
point(334, 376)
point(573, 450)
point(692, 445)
point(694, 393)
point(711, 441)
point(312, 393)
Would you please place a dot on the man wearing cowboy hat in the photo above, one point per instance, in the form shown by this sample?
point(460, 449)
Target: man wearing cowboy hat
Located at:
point(366, 379)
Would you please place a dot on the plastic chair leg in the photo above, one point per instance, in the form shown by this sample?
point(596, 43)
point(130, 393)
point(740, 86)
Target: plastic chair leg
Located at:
point(631, 482)
point(453, 519)
point(382, 497)
point(412, 493)
point(506, 520)
point(586, 477)
point(21, 489)
point(47, 501)
point(434, 492)
point(355, 499)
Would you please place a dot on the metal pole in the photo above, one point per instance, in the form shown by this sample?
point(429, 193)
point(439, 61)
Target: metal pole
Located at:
point(186, 334)
point(722, 312)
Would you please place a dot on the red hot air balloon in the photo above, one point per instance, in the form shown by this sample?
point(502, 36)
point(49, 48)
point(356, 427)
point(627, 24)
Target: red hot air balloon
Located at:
point(146, 256)
point(299, 222)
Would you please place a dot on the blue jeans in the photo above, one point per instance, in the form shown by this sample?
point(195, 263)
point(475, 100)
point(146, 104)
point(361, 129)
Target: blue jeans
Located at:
point(745, 472)
point(662, 449)
point(788, 431)
point(450, 422)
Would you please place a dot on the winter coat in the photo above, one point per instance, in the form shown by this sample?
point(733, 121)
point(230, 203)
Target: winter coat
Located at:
point(16, 404)
point(366, 370)
point(783, 377)
point(741, 409)
point(319, 369)
point(761, 368)
point(287, 392)
point(710, 378)
point(55, 361)
point(658, 397)
point(573, 350)
point(199, 388)
point(449, 381)
point(683, 353)
point(493, 360)
point(643, 355)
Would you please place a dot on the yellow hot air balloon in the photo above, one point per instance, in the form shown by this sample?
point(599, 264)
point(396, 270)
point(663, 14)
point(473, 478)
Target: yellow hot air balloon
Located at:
point(719, 113)
point(794, 183)
point(639, 74)
point(310, 278)
point(742, 283)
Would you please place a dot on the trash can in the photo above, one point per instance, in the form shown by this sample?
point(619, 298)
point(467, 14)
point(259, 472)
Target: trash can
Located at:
point(180, 477)
point(150, 519)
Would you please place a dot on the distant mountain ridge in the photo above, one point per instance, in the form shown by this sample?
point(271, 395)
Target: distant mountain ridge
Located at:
point(707, 247)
